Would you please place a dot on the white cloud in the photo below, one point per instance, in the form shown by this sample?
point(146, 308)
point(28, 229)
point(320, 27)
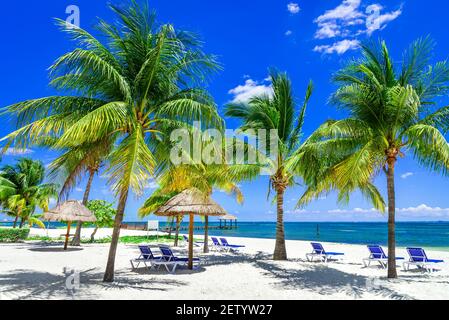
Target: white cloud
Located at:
point(293, 8)
point(347, 10)
point(380, 21)
point(79, 190)
point(424, 208)
point(288, 33)
point(338, 47)
point(422, 212)
point(349, 19)
point(251, 88)
point(328, 30)
point(18, 152)
point(407, 175)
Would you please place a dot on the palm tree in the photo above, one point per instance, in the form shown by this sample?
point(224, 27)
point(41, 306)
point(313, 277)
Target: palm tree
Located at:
point(22, 190)
point(276, 112)
point(145, 81)
point(73, 165)
point(391, 114)
point(203, 175)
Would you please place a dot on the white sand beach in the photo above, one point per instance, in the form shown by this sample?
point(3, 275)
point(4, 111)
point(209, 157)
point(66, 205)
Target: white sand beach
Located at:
point(34, 270)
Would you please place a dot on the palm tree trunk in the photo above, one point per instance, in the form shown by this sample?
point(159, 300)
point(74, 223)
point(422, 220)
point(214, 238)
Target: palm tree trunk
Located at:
point(191, 218)
point(392, 273)
point(21, 223)
point(76, 241)
point(206, 234)
point(92, 236)
point(178, 223)
point(280, 252)
point(15, 221)
point(109, 273)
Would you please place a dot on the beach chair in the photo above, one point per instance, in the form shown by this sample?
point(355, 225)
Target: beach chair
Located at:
point(318, 251)
point(419, 259)
point(216, 245)
point(146, 257)
point(377, 254)
point(195, 243)
point(169, 259)
point(230, 247)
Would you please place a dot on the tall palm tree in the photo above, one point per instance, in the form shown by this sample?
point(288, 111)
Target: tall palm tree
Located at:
point(277, 112)
point(391, 114)
point(22, 190)
point(144, 81)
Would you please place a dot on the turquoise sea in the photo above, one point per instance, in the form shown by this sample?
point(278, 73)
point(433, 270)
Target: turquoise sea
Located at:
point(425, 234)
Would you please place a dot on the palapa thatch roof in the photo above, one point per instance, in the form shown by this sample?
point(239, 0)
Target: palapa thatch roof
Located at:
point(70, 211)
point(191, 201)
point(228, 217)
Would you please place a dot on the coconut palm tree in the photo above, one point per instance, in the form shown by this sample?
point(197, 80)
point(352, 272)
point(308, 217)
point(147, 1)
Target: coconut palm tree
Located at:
point(22, 190)
point(72, 166)
point(392, 113)
point(145, 80)
point(276, 112)
point(204, 175)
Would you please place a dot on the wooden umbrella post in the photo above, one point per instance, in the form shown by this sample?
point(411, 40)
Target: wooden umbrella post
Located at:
point(67, 235)
point(206, 235)
point(191, 241)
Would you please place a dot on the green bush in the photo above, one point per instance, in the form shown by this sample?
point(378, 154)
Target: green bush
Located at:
point(13, 235)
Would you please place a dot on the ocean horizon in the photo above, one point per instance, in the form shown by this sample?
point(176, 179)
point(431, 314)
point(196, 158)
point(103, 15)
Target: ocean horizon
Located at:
point(432, 234)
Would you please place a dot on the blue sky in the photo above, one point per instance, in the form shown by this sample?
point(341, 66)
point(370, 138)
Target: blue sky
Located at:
point(308, 39)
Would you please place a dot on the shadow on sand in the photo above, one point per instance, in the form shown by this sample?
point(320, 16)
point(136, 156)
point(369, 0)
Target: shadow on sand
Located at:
point(27, 284)
point(56, 249)
point(317, 277)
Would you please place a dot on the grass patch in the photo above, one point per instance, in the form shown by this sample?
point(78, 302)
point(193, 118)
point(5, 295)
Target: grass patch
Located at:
point(125, 239)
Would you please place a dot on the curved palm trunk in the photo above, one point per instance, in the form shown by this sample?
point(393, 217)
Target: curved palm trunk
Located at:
point(206, 234)
point(178, 224)
point(22, 221)
point(280, 252)
point(92, 236)
point(76, 241)
point(109, 273)
point(392, 272)
point(15, 221)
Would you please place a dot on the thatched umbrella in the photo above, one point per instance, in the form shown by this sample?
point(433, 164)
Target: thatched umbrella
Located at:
point(191, 202)
point(69, 211)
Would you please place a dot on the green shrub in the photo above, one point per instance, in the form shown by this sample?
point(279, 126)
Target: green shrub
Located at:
point(13, 235)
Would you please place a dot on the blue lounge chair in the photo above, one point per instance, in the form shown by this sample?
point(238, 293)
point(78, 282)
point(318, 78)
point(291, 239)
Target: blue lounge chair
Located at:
point(377, 254)
point(146, 257)
point(216, 245)
point(230, 247)
point(168, 258)
point(419, 259)
point(318, 251)
point(195, 243)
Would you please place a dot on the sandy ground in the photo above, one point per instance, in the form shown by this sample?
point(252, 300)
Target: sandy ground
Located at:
point(36, 271)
